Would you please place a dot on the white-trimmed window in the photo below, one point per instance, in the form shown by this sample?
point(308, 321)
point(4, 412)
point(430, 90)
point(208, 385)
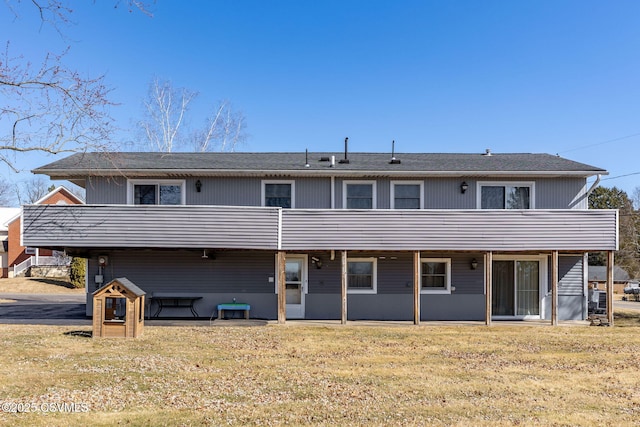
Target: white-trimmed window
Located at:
point(506, 195)
point(435, 275)
point(156, 192)
point(362, 275)
point(359, 194)
point(279, 194)
point(407, 195)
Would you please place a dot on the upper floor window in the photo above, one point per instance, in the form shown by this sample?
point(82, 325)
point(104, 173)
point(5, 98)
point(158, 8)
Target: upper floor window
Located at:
point(361, 275)
point(359, 195)
point(407, 195)
point(435, 275)
point(159, 192)
point(512, 195)
point(278, 194)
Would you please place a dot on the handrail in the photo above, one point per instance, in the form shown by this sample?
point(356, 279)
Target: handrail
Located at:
point(19, 268)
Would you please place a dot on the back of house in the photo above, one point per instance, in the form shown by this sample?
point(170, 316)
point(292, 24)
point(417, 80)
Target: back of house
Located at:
point(420, 236)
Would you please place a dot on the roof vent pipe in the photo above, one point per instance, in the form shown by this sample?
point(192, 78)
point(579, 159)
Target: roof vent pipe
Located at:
point(306, 157)
point(487, 152)
point(394, 161)
point(333, 161)
point(346, 149)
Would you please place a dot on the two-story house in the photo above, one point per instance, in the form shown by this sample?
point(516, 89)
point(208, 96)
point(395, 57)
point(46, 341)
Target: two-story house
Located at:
point(323, 236)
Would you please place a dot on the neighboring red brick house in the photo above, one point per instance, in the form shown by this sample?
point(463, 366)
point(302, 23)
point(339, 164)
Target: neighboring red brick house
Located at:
point(6, 214)
point(18, 253)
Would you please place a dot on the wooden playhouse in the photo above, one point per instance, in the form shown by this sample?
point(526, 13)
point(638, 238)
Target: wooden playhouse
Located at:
point(118, 309)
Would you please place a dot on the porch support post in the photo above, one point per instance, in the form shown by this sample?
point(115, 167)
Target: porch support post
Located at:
point(416, 288)
point(554, 288)
point(282, 288)
point(343, 281)
point(488, 280)
point(610, 287)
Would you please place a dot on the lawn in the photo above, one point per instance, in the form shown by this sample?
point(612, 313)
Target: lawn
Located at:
point(37, 285)
point(324, 375)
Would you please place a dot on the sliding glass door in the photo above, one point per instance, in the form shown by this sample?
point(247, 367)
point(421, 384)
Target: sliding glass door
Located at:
point(516, 287)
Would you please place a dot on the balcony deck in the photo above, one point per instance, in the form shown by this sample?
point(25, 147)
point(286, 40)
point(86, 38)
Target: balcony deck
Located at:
point(266, 228)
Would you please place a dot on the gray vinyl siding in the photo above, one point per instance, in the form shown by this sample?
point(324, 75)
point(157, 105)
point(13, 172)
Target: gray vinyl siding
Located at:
point(338, 193)
point(239, 272)
point(225, 275)
point(383, 193)
point(550, 193)
point(86, 226)
point(468, 307)
point(225, 192)
point(395, 272)
point(444, 193)
point(396, 307)
point(110, 191)
point(475, 230)
point(395, 276)
point(313, 193)
point(463, 278)
point(325, 280)
point(571, 275)
point(570, 307)
point(561, 193)
point(118, 226)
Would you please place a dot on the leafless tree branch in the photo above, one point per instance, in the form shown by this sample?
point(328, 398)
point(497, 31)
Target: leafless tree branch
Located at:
point(50, 107)
point(165, 109)
point(224, 130)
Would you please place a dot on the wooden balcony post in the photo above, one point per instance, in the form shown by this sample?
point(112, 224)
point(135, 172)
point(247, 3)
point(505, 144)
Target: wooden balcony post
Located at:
point(416, 288)
point(343, 281)
point(282, 287)
point(610, 287)
point(554, 288)
point(488, 280)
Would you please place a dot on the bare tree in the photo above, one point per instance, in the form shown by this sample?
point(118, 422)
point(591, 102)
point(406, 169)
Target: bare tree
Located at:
point(6, 197)
point(164, 112)
point(164, 124)
point(635, 198)
point(32, 190)
point(50, 107)
point(225, 129)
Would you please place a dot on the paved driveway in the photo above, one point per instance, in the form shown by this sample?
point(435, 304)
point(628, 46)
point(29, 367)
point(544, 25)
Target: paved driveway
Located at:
point(627, 305)
point(43, 308)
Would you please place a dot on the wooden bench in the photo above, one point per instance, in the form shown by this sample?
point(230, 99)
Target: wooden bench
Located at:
point(233, 306)
point(174, 301)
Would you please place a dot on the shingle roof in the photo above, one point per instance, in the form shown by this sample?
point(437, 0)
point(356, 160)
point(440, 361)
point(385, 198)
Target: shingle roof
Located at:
point(598, 273)
point(135, 290)
point(127, 163)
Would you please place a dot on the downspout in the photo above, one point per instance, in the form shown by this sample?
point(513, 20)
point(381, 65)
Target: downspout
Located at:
point(585, 259)
point(594, 185)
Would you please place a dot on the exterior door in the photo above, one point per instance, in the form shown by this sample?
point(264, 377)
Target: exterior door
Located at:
point(296, 285)
point(517, 285)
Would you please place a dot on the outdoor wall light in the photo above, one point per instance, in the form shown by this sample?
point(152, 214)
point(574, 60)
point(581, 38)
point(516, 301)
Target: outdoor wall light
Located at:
point(198, 186)
point(317, 261)
point(474, 264)
point(464, 187)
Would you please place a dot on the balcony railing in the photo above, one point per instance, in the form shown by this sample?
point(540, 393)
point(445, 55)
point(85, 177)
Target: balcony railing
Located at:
point(127, 226)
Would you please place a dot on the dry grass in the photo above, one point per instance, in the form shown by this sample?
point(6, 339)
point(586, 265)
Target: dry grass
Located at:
point(353, 375)
point(35, 285)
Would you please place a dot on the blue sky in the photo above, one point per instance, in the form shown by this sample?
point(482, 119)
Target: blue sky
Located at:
point(435, 76)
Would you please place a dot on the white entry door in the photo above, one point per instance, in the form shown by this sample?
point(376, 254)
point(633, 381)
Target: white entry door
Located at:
point(296, 285)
